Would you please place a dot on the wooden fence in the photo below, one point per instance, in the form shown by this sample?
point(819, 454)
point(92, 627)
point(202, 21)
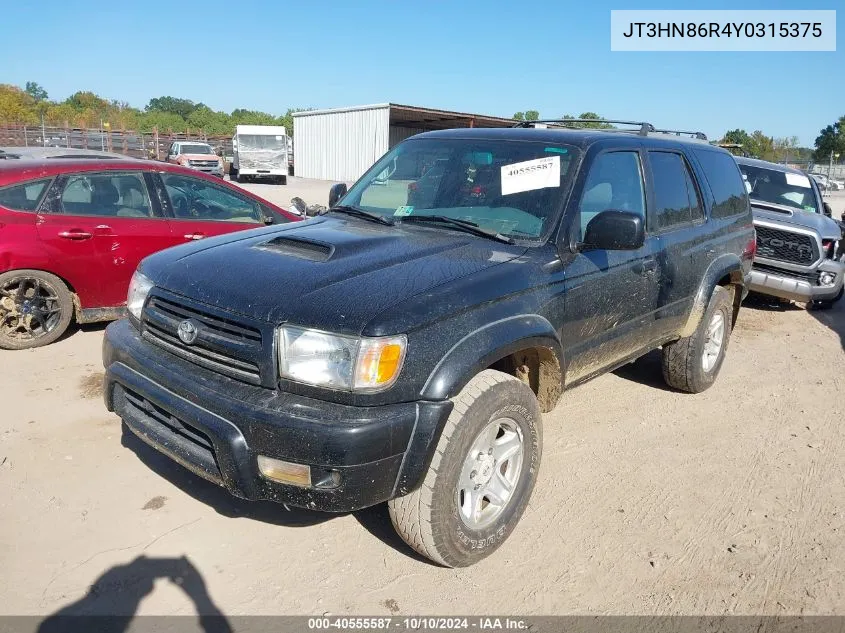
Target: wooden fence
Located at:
point(135, 144)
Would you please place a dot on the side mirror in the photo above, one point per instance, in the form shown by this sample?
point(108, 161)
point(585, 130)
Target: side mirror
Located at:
point(613, 230)
point(299, 205)
point(827, 210)
point(337, 191)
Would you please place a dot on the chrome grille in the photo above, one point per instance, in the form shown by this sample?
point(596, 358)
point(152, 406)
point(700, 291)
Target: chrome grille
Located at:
point(785, 246)
point(222, 344)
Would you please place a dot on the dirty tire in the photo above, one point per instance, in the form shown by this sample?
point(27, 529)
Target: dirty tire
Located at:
point(682, 360)
point(429, 519)
point(63, 301)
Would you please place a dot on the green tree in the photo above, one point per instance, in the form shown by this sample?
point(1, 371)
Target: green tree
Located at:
point(209, 121)
point(785, 148)
point(172, 105)
point(16, 106)
point(831, 140)
point(528, 115)
point(164, 121)
point(589, 115)
point(35, 91)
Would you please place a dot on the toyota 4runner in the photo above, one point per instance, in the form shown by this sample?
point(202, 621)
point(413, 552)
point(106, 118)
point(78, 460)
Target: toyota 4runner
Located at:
point(402, 346)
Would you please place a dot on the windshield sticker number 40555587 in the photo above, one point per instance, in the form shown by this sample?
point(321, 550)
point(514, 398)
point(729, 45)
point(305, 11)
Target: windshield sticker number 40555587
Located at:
point(531, 174)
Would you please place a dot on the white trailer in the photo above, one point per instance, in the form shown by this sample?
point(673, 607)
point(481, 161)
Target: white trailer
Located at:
point(260, 151)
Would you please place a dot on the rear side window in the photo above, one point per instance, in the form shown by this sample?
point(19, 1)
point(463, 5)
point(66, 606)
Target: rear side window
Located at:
point(675, 196)
point(723, 176)
point(24, 197)
point(122, 195)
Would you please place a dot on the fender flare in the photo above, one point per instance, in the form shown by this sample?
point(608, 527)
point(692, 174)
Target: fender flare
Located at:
point(484, 346)
point(725, 265)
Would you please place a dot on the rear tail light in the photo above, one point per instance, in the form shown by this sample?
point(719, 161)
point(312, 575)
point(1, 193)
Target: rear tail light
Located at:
point(750, 249)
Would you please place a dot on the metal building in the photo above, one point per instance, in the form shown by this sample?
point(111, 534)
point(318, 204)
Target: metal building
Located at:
point(341, 144)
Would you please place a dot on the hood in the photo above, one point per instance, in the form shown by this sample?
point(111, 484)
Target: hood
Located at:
point(330, 273)
point(825, 226)
point(213, 157)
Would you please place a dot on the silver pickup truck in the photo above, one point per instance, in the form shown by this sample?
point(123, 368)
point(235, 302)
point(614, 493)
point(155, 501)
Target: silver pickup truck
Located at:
point(799, 246)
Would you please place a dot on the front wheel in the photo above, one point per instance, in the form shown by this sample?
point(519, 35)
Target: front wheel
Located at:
point(481, 475)
point(35, 309)
point(691, 364)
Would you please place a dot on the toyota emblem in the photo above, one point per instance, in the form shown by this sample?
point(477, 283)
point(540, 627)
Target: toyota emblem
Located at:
point(187, 331)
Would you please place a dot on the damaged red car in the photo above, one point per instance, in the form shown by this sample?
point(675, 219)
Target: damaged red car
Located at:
point(72, 232)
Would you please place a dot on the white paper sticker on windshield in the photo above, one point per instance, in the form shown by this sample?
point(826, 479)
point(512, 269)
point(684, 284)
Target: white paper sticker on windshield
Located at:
point(797, 180)
point(531, 174)
point(279, 137)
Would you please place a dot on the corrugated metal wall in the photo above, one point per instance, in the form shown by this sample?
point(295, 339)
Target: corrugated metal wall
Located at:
point(399, 134)
point(340, 146)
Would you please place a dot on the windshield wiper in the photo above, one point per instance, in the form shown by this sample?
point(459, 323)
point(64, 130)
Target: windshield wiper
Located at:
point(464, 225)
point(360, 213)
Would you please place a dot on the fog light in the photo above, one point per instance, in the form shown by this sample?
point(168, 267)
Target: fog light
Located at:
point(284, 472)
point(827, 279)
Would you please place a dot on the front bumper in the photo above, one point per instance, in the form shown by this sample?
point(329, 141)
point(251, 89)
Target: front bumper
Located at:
point(214, 171)
point(216, 427)
point(787, 285)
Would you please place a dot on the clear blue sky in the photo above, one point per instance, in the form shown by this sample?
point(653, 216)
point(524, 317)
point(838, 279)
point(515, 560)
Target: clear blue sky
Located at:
point(487, 57)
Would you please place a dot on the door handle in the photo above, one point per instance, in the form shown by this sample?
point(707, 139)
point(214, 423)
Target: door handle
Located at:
point(194, 236)
point(75, 234)
point(645, 267)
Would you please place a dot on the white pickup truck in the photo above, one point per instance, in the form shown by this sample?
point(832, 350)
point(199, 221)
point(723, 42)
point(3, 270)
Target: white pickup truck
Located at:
point(260, 151)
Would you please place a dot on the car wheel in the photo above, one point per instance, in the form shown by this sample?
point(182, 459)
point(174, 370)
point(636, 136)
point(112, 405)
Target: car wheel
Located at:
point(827, 304)
point(35, 309)
point(481, 474)
point(233, 174)
point(282, 180)
point(692, 363)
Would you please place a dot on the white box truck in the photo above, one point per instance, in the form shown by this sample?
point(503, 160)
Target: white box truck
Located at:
point(260, 151)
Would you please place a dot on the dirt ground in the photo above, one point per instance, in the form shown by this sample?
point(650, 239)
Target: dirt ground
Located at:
point(648, 501)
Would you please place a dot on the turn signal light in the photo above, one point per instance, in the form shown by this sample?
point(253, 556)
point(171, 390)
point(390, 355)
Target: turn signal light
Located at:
point(284, 472)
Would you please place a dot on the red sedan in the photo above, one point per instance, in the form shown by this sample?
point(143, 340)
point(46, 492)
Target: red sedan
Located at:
point(72, 232)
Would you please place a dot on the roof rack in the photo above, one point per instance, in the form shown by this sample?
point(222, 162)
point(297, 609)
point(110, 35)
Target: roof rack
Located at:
point(701, 136)
point(642, 128)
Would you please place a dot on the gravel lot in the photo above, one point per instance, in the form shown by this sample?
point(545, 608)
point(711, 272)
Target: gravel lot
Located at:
point(648, 502)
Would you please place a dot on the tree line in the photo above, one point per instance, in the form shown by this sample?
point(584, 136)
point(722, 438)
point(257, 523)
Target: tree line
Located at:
point(831, 140)
point(84, 109)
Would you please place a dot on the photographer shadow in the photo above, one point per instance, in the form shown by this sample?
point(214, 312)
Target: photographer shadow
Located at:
point(113, 599)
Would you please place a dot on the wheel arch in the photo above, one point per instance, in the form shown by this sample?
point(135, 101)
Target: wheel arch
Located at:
point(725, 271)
point(525, 346)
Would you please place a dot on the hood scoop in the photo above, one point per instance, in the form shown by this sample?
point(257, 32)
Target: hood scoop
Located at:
point(299, 248)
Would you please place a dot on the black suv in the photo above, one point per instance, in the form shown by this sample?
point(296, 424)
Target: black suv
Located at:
point(402, 346)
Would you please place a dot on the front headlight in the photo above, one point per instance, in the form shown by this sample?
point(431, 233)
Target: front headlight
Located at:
point(139, 288)
point(340, 362)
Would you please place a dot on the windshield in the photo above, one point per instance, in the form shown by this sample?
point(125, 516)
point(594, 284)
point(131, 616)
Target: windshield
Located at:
point(778, 187)
point(275, 142)
point(510, 187)
point(196, 149)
